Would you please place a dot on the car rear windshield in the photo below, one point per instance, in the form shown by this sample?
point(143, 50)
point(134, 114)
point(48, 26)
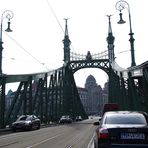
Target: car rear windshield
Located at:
point(125, 119)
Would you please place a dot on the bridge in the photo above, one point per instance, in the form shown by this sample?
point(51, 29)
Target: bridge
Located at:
point(52, 94)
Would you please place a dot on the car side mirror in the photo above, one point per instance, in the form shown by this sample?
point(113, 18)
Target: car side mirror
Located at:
point(96, 123)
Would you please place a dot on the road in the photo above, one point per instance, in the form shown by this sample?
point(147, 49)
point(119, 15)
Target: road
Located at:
point(75, 135)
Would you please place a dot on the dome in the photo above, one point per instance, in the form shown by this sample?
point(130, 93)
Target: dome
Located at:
point(91, 79)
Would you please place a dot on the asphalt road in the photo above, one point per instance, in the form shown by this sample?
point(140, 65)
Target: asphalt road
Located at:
point(75, 135)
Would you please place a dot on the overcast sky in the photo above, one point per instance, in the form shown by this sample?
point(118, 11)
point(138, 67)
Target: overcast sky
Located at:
point(35, 45)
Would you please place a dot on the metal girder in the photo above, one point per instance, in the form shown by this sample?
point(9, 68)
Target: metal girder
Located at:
point(72, 102)
point(56, 93)
point(25, 77)
point(2, 102)
point(132, 93)
point(142, 90)
point(146, 74)
point(123, 94)
point(9, 115)
point(101, 63)
point(114, 87)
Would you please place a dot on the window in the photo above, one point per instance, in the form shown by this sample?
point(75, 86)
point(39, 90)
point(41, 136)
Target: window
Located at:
point(125, 119)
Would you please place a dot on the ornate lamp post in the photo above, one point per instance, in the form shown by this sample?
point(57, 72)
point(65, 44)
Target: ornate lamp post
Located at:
point(8, 15)
point(120, 5)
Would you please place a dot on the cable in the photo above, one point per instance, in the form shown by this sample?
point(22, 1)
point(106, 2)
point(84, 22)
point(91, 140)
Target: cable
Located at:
point(123, 51)
point(25, 50)
point(50, 7)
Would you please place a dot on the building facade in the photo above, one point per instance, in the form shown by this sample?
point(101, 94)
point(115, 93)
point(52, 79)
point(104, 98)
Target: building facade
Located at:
point(93, 97)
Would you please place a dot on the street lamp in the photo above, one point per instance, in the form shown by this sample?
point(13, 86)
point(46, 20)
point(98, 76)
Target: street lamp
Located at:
point(120, 5)
point(8, 15)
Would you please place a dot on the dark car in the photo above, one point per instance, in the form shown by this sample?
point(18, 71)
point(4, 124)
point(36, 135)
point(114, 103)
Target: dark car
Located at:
point(110, 107)
point(122, 129)
point(26, 122)
point(65, 119)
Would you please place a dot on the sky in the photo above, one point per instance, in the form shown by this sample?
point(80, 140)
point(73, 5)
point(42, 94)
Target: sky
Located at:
point(35, 45)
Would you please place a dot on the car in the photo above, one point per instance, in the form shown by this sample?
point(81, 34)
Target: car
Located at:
point(65, 119)
point(110, 107)
point(26, 122)
point(78, 118)
point(122, 129)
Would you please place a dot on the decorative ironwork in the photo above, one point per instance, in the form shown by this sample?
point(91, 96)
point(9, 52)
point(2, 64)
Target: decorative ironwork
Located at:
point(102, 64)
point(78, 57)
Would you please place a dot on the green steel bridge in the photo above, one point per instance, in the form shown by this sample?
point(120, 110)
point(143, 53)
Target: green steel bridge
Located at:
point(56, 93)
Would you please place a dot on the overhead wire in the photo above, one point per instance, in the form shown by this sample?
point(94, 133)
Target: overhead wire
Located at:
point(54, 14)
point(25, 50)
point(123, 51)
point(50, 7)
point(43, 64)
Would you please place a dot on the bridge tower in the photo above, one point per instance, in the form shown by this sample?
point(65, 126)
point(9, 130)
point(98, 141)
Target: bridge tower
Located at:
point(110, 40)
point(66, 42)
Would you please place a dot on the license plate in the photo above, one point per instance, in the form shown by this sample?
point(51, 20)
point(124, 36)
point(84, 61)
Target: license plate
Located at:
point(132, 136)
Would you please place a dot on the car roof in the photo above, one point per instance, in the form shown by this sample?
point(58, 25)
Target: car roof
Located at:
point(24, 115)
point(126, 112)
point(27, 115)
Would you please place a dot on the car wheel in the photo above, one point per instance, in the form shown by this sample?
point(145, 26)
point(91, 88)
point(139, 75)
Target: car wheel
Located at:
point(14, 129)
point(38, 127)
point(31, 127)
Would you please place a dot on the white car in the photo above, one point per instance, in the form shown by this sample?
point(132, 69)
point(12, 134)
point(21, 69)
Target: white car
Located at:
point(65, 119)
point(78, 118)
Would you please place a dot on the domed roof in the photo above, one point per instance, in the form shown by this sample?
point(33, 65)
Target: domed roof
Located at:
point(91, 79)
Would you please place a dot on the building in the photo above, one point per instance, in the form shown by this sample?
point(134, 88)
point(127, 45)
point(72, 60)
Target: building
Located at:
point(93, 97)
point(105, 94)
point(83, 93)
point(9, 98)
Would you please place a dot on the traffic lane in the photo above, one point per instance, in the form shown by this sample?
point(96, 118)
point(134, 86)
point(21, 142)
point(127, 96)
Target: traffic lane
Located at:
point(64, 139)
point(72, 135)
point(26, 138)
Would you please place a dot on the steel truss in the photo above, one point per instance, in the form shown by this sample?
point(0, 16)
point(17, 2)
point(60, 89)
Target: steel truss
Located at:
point(47, 95)
point(53, 94)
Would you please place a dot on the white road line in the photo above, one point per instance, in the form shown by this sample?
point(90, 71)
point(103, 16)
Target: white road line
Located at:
point(75, 141)
point(43, 141)
point(90, 143)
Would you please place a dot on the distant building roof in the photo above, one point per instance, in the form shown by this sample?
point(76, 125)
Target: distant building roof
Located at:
point(91, 79)
point(9, 92)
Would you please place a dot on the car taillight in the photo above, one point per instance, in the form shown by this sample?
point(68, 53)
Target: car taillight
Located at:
point(103, 133)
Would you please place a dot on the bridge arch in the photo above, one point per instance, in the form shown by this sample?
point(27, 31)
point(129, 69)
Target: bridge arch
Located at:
point(81, 75)
point(102, 64)
point(105, 65)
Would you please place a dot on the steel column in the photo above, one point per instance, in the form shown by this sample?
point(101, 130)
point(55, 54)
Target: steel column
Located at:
point(2, 101)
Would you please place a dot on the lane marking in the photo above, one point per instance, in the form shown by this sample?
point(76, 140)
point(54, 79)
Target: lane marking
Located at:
point(75, 140)
point(44, 141)
point(91, 142)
